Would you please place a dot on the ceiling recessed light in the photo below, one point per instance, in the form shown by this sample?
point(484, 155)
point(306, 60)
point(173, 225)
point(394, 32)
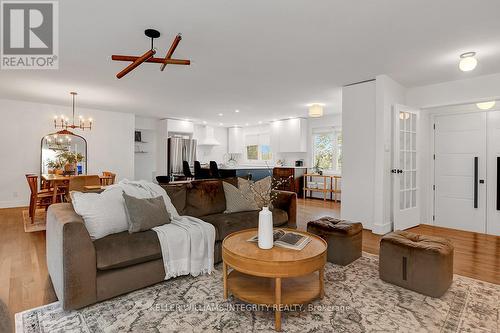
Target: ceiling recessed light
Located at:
point(467, 61)
point(246, 124)
point(485, 105)
point(204, 122)
point(221, 114)
point(260, 122)
point(221, 124)
point(237, 111)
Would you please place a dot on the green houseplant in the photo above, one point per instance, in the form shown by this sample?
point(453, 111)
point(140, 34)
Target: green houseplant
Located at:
point(70, 160)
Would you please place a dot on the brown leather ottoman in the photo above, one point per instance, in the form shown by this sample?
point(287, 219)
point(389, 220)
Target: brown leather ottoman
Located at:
point(344, 238)
point(420, 263)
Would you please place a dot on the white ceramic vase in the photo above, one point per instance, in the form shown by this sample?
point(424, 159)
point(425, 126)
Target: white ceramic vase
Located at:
point(265, 228)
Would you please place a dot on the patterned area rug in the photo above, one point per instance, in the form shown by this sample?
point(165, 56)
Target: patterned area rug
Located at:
point(356, 300)
point(39, 224)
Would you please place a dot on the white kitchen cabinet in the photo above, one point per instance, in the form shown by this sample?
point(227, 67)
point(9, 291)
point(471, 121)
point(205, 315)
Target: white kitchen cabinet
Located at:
point(235, 144)
point(292, 135)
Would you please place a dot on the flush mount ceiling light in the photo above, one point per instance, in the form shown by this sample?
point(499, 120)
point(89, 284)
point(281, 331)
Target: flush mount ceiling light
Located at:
point(467, 61)
point(485, 105)
point(316, 110)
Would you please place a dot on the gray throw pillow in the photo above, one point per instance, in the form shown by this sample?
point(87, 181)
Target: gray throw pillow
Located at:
point(144, 214)
point(238, 201)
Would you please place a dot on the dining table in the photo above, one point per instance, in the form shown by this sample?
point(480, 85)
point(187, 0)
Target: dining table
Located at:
point(57, 182)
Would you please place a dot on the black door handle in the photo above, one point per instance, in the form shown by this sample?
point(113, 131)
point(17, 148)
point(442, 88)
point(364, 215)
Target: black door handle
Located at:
point(476, 180)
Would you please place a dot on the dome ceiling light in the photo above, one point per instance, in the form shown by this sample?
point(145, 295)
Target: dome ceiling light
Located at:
point(467, 61)
point(316, 110)
point(485, 105)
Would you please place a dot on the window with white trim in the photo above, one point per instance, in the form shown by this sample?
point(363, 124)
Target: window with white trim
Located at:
point(327, 149)
point(258, 147)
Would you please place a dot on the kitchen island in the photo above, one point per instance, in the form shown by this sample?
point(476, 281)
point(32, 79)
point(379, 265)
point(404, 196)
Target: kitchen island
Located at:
point(253, 172)
point(292, 177)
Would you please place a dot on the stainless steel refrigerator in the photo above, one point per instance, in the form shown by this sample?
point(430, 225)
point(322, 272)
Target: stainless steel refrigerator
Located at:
point(179, 150)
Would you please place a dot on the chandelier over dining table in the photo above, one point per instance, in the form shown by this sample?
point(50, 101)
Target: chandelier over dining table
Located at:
point(63, 122)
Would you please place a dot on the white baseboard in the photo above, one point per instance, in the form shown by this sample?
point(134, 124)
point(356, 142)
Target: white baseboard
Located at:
point(382, 229)
point(13, 203)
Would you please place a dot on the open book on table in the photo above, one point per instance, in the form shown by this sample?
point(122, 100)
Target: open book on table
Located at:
point(287, 239)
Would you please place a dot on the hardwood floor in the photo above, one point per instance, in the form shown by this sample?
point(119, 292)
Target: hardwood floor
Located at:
point(24, 281)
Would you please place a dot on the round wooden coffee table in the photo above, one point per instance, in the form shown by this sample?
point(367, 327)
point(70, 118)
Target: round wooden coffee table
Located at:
point(277, 277)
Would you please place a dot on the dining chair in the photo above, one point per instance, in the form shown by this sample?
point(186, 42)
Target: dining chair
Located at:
point(39, 199)
point(214, 170)
point(78, 183)
point(199, 172)
point(186, 170)
point(108, 178)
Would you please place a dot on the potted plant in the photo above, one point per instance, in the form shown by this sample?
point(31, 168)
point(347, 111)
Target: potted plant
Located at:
point(70, 160)
point(53, 166)
point(317, 168)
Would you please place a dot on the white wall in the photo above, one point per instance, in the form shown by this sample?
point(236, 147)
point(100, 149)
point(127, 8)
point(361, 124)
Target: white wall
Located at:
point(145, 163)
point(388, 93)
point(358, 125)
point(110, 144)
point(471, 90)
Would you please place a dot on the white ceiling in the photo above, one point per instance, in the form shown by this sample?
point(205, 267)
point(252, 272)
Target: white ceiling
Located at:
point(268, 59)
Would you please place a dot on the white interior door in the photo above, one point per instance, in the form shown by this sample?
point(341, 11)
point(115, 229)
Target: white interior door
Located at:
point(493, 174)
point(459, 171)
point(406, 210)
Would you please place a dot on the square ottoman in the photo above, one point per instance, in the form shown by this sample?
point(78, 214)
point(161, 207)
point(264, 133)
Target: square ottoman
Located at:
point(344, 238)
point(420, 263)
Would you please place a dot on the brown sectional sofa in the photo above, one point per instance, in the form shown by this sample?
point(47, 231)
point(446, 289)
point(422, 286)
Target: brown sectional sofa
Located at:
point(85, 271)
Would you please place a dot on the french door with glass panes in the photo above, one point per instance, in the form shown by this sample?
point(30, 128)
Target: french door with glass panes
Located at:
point(405, 170)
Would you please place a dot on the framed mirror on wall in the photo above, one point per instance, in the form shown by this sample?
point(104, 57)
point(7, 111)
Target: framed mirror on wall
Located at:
point(63, 153)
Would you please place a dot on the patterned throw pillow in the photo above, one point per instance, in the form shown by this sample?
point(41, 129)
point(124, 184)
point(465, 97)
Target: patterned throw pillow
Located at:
point(237, 200)
point(261, 187)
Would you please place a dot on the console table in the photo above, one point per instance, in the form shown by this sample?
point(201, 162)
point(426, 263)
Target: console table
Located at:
point(333, 189)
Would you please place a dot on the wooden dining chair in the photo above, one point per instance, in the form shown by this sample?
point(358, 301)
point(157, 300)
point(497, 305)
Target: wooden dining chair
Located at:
point(39, 199)
point(108, 178)
point(78, 183)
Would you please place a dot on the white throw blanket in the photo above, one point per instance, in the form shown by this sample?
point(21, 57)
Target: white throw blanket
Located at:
point(187, 243)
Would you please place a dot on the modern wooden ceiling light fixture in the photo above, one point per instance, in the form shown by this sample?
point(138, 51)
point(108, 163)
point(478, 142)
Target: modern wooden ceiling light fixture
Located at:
point(149, 55)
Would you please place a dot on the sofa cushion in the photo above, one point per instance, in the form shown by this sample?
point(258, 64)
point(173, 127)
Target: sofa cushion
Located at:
point(226, 224)
point(205, 197)
point(237, 201)
point(124, 249)
point(145, 214)
point(177, 194)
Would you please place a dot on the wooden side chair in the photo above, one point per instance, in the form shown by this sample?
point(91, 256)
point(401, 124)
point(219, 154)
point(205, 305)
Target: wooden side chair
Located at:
point(109, 178)
point(39, 199)
point(78, 183)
